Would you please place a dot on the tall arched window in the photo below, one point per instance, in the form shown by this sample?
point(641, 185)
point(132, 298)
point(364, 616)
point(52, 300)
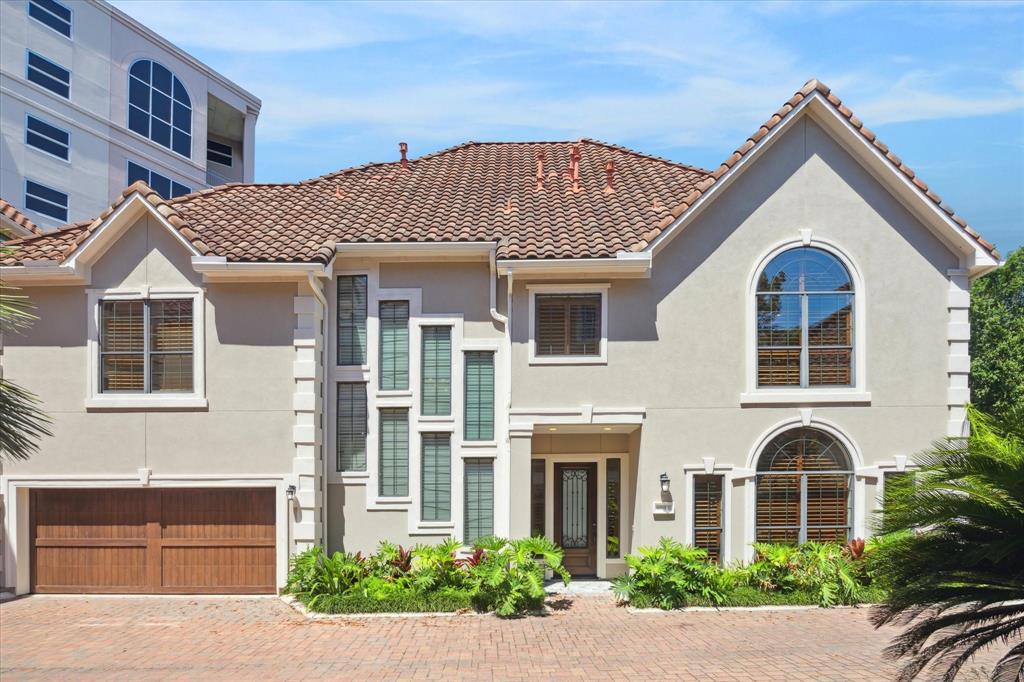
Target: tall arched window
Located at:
point(804, 320)
point(159, 107)
point(803, 488)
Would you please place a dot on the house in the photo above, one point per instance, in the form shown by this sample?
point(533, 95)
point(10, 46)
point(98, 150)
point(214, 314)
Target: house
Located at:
point(568, 338)
point(91, 101)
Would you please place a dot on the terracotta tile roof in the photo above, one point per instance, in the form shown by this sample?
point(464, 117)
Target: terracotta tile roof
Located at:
point(806, 91)
point(477, 191)
point(8, 211)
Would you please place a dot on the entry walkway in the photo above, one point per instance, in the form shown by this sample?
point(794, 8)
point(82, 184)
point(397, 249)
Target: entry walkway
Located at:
point(190, 638)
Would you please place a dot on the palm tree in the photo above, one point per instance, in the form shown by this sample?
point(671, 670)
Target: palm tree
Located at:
point(22, 422)
point(957, 580)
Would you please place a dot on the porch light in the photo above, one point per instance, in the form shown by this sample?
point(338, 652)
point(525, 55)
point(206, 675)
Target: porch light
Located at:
point(290, 492)
point(664, 482)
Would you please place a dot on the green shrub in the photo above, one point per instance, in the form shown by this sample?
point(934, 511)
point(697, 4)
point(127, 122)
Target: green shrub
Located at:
point(445, 601)
point(434, 567)
point(509, 575)
point(671, 575)
point(826, 570)
point(315, 575)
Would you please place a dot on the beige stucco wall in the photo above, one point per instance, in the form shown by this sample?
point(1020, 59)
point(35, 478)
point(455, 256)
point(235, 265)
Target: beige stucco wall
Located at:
point(247, 427)
point(677, 344)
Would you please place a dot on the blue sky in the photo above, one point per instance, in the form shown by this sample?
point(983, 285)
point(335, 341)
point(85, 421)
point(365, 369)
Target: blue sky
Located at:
point(342, 83)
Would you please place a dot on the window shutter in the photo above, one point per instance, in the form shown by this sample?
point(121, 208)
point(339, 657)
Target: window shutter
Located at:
point(436, 477)
point(352, 426)
point(394, 453)
point(170, 346)
point(394, 345)
point(707, 514)
point(479, 499)
point(437, 371)
point(352, 320)
point(479, 395)
point(568, 324)
point(122, 346)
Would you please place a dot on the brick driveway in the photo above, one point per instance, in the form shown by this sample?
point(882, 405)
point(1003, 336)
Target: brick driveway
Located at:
point(253, 638)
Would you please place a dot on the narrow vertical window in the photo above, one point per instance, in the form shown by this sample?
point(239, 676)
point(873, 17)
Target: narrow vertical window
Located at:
point(479, 396)
point(394, 453)
point(436, 477)
point(479, 499)
point(352, 426)
point(170, 346)
point(123, 347)
point(707, 514)
point(613, 495)
point(437, 371)
point(352, 320)
point(538, 522)
point(394, 345)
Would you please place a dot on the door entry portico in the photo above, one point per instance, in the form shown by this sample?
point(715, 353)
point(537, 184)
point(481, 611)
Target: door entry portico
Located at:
point(576, 516)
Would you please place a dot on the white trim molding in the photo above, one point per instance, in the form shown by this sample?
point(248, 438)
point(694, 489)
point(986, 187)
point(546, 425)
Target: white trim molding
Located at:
point(709, 466)
point(96, 399)
point(856, 394)
point(601, 289)
point(958, 339)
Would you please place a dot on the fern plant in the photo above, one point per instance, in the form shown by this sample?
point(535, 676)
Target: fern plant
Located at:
point(668, 575)
point(509, 578)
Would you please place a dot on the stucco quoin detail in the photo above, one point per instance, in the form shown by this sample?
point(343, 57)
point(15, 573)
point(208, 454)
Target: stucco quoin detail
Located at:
point(958, 338)
point(307, 465)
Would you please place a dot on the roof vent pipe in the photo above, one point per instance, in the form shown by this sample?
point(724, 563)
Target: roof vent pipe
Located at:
point(403, 148)
point(609, 171)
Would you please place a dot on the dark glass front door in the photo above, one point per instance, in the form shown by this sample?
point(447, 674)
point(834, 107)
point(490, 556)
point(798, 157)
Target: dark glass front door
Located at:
point(576, 516)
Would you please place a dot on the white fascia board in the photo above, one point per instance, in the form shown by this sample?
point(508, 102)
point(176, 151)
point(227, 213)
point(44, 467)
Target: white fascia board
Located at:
point(623, 265)
point(218, 267)
point(44, 275)
point(416, 249)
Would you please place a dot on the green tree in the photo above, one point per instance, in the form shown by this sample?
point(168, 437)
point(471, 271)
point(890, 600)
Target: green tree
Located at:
point(956, 558)
point(997, 337)
point(22, 421)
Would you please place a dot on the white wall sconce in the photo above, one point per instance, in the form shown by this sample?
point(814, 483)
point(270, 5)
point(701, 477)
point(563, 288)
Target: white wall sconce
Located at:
point(665, 505)
point(665, 481)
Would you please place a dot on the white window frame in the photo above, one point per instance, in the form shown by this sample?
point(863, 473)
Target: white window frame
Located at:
point(71, 21)
point(149, 138)
point(555, 289)
point(24, 202)
point(812, 395)
point(95, 399)
point(29, 115)
point(70, 84)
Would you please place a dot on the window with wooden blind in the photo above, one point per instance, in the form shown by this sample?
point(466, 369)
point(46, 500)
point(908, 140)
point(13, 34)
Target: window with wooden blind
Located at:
point(805, 325)
point(352, 426)
point(393, 457)
point(803, 489)
point(394, 345)
point(479, 395)
point(707, 514)
point(352, 320)
point(567, 325)
point(436, 477)
point(478, 505)
point(146, 346)
point(436, 370)
point(613, 500)
point(537, 502)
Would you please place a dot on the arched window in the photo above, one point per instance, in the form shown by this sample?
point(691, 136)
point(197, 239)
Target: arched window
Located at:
point(159, 107)
point(804, 321)
point(803, 488)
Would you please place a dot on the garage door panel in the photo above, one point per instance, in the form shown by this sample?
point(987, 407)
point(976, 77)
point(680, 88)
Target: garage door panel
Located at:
point(217, 568)
point(155, 540)
point(64, 569)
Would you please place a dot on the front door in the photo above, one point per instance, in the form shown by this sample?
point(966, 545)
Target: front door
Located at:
point(576, 516)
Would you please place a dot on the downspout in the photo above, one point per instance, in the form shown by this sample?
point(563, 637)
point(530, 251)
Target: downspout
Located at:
point(506, 322)
point(312, 278)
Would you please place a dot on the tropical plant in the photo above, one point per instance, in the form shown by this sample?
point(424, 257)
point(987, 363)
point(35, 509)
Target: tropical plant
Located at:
point(435, 567)
point(833, 573)
point(956, 572)
point(24, 422)
point(390, 562)
point(315, 575)
point(669, 575)
point(509, 578)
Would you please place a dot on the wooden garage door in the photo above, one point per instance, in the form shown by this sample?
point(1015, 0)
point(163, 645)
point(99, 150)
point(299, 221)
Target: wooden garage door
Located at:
point(153, 540)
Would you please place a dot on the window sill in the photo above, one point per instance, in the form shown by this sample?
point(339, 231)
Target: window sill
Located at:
point(482, 444)
point(568, 360)
point(146, 402)
point(806, 397)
